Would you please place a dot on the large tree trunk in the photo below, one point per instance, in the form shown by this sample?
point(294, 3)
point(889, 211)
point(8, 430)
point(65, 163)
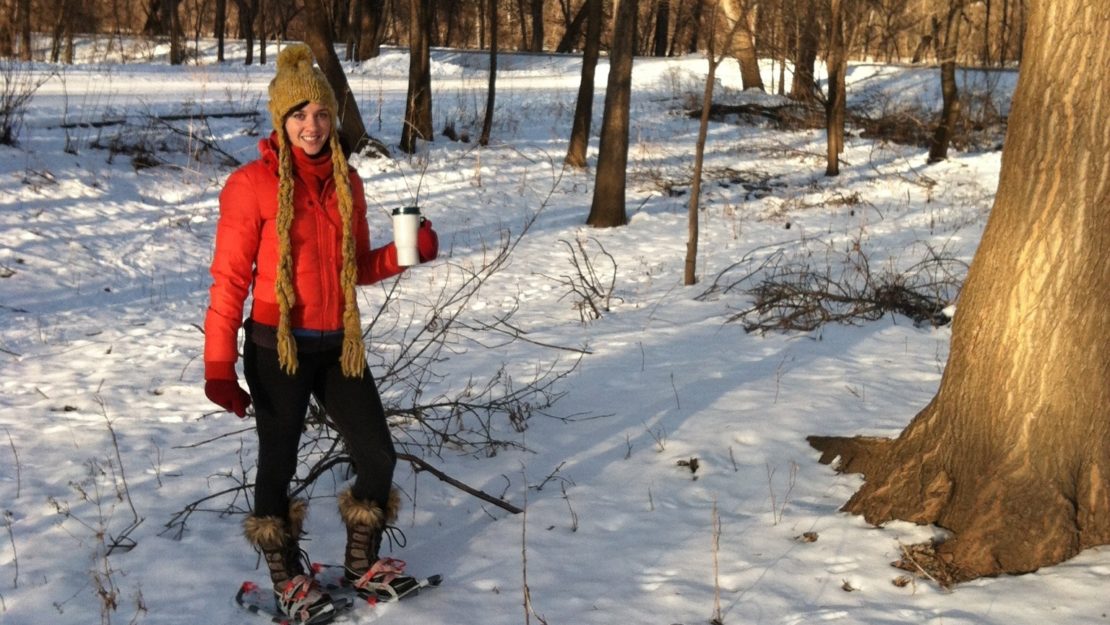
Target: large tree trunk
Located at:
point(1012, 455)
point(584, 107)
point(318, 36)
point(418, 106)
point(607, 209)
point(950, 112)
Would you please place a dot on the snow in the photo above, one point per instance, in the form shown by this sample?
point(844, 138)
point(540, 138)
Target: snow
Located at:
point(106, 431)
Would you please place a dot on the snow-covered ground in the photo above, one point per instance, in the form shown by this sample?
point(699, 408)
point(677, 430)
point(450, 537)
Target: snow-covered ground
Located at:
point(105, 432)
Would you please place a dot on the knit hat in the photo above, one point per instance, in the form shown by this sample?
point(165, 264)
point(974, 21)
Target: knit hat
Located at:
point(297, 81)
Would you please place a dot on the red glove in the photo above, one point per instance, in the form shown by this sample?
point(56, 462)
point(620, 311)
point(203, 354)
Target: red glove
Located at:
point(427, 242)
point(228, 395)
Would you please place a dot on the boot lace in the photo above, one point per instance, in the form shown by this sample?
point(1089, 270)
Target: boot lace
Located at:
point(395, 536)
point(380, 576)
point(301, 598)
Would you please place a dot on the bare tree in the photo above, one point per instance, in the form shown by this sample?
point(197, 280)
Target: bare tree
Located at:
point(662, 27)
point(23, 10)
point(690, 276)
point(491, 90)
point(986, 60)
point(537, 26)
point(1011, 455)
point(61, 44)
point(367, 20)
point(418, 104)
point(163, 20)
point(837, 62)
point(9, 14)
point(607, 209)
point(247, 10)
point(584, 107)
point(219, 27)
point(318, 36)
point(522, 20)
point(739, 12)
point(261, 17)
point(9, 17)
point(695, 26)
point(950, 113)
point(573, 31)
point(804, 87)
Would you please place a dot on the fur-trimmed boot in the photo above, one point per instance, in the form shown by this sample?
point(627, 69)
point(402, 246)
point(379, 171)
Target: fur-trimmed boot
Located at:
point(374, 578)
point(295, 593)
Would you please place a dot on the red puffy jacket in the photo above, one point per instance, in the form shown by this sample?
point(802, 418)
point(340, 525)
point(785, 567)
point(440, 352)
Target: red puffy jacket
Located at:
point(246, 256)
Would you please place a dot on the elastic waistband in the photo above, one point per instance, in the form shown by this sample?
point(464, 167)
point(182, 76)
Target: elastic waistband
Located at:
point(308, 341)
point(305, 333)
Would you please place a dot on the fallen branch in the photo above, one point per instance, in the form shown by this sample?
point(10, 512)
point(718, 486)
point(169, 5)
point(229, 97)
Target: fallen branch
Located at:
point(119, 121)
point(421, 465)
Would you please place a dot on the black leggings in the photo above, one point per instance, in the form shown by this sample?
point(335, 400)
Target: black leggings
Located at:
point(280, 402)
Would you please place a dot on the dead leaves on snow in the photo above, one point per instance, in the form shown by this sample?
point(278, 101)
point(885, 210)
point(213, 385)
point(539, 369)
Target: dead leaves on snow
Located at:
point(923, 561)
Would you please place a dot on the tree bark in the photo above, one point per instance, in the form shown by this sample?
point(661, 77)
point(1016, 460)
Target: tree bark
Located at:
point(584, 107)
point(1012, 455)
point(607, 209)
point(418, 104)
point(318, 36)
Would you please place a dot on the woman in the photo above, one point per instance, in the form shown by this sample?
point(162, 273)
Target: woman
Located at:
point(293, 233)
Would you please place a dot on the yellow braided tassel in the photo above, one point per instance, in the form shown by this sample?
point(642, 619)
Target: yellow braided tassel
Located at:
point(283, 286)
point(354, 351)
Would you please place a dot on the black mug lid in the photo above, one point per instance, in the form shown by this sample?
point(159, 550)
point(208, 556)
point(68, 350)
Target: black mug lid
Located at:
point(407, 210)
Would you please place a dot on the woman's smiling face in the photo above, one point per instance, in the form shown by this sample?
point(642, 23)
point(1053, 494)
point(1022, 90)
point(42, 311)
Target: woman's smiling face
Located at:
point(309, 128)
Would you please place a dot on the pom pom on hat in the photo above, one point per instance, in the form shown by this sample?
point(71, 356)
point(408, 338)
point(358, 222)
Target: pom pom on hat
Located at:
point(298, 81)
